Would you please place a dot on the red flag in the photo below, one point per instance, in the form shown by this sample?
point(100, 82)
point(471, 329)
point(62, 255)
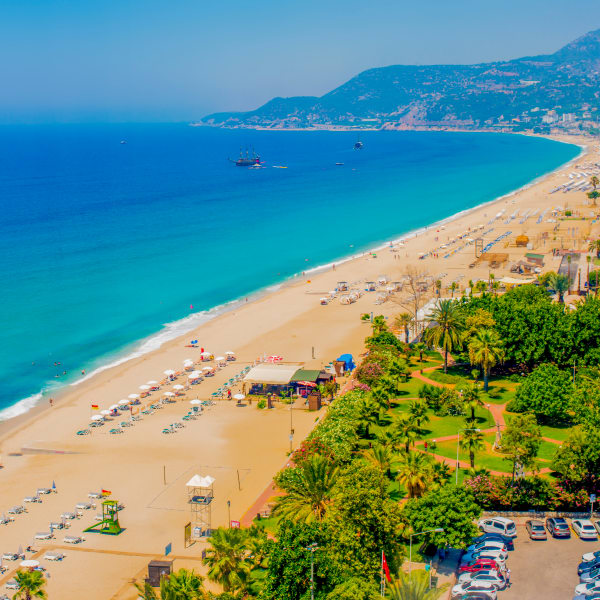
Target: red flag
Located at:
point(106, 492)
point(95, 406)
point(385, 567)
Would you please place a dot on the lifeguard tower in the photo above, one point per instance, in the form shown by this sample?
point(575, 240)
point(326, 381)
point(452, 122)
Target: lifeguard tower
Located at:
point(200, 497)
point(110, 520)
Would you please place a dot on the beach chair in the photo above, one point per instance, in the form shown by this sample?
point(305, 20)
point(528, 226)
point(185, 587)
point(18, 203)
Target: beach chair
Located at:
point(116, 431)
point(126, 424)
point(166, 430)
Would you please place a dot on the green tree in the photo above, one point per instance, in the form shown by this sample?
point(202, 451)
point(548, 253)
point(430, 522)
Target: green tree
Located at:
point(363, 522)
point(593, 195)
point(146, 591)
point(354, 589)
point(594, 181)
point(226, 558)
point(414, 472)
point(31, 585)
point(420, 347)
point(398, 368)
point(594, 245)
point(578, 459)
point(370, 414)
point(559, 284)
point(446, 324)
point(472, 441)
point(414, 587)
point(403, 321)
point(547, 393)
point(182, 585)
point(452, 508)
point(480, 286)
point(310, 494)
point(417, 410)
point(471, 398)
point(380, 456)
point(486, 349)
point(406, 431)
point(521, 441)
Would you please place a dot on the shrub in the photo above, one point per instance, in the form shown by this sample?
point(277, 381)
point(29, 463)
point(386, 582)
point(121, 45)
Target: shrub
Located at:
point(368, 373)
point(262, 403)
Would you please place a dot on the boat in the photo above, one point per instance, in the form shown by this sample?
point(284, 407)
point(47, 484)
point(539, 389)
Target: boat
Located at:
point(246, 160)
point(358, 145)
point(123, 142)
point(339, 164)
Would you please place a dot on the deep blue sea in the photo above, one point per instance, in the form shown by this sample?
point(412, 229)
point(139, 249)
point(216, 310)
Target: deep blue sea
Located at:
point(104, 246)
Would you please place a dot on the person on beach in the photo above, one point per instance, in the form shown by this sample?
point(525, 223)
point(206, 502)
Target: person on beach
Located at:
point(51, 401)
point(228, 394)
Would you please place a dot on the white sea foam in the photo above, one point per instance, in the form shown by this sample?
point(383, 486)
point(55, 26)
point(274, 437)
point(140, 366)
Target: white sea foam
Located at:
point(20, 408)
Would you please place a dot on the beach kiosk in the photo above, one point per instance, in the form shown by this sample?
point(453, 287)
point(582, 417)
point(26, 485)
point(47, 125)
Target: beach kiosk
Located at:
point(200, 497)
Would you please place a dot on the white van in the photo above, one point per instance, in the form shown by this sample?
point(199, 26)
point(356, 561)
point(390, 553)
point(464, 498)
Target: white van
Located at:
point(500, 525)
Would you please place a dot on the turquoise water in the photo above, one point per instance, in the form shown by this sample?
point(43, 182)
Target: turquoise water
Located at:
point(104, 245)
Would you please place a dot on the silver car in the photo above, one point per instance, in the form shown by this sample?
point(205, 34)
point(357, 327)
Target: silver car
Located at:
point(492, 576)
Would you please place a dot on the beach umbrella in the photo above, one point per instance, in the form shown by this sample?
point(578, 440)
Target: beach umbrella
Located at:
point(144, 387)
point(114, 407)
point(230, 352)
point(152, 382)
point(220, 358)
point(238, 396)
point(30, 564)
point(96, 418)
point(195, 401)
point(105, 412)
point(178, 387)
point(188, 361)
point(53, 485)
point(132, 397)
point(123, 402)
point(207, 369)
point(169, 394)
point(206, 353)
point(169, 372)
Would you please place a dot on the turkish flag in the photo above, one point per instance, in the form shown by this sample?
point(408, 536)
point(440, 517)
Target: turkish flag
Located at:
point(385, 567)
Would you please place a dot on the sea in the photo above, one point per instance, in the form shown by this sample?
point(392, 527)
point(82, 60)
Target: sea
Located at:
point(116, 238)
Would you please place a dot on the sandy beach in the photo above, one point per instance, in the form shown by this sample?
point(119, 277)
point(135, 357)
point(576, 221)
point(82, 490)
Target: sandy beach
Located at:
point(241, 447)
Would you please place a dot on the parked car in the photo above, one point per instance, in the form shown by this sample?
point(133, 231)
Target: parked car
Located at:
point(587, 565)
point(498, 525)
point(490, 576)
point(460, 590)
point(487, 544)
point(588, 588)
point(482, 564)
point(535, 529)
point(593, 575)
point(585, 529)
point(592, 596)
point(508, 541)
point(498, 555)
point(558, 528)
point(590, 556)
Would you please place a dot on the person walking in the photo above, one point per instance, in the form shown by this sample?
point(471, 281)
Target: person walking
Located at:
point(507, 577)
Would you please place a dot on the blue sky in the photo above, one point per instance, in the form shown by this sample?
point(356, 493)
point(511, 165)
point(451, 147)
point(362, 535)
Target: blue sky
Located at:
point(176, 60)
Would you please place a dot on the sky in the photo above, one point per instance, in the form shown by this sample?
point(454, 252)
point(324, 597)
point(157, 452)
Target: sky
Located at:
point(178, 60)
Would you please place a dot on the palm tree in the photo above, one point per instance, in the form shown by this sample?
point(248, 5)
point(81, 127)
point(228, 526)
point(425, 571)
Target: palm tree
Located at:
point(559, 284)
point(398, 368)
point(472, 440)
point(495, 287)
point(382, 395)
point(226, 558)
point(414, 587)
point(406, 431)
point(588, 260)
point(440, 474)
point(594, 181)
point(594, 246)
point(420, 347)
point(446, 325)
point(486, 350)
point(414, 472)
point(471, 399)
point(146, 591)
point(480, 286)
point(31, 585)
point(311, 494)
point(491, 278)
point(379, 325)
point(453, 287)
point(438, 287)
point(380, 456)
point(418, 411)
point(403, 321)
point(569, 259)
point(182, 585)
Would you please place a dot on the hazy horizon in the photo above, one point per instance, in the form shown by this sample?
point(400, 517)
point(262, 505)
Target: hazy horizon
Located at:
point(103, 61)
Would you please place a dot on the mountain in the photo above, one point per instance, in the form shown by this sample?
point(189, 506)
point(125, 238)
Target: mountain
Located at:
point(537, 91)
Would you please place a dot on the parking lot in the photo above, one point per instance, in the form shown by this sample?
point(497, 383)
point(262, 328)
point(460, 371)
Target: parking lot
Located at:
point(544, 570)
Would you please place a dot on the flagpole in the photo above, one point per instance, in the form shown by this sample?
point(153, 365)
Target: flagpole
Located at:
point(382, 584)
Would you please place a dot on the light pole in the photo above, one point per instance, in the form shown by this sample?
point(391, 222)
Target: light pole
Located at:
point(458, 444)
point(312, 549)
point(436, 530)
point(229, 512)
point(291, 422)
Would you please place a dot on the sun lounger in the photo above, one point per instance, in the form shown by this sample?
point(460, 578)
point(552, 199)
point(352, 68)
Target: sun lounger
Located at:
point(16, 510)
point(12, 585)
point(73, 539)
point(177, 425)
point(43, 491)
point(54, 556)
point(83, 506)
point(126, 424)
point(167, 430)
point(31, 499)
point(55, 525)
point(10, 556)
point(116, 431)
point(68, 516)
point(95, 495)
point(84, 432)
point(43, 535)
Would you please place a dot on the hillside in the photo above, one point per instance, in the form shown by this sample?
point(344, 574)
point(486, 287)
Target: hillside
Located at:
point(556, 90)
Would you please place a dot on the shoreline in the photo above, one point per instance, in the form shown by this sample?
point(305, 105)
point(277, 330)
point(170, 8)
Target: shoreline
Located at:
point(153, 342)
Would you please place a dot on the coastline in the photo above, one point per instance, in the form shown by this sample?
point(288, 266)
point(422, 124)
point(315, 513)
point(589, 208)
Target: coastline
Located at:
point(176, 331)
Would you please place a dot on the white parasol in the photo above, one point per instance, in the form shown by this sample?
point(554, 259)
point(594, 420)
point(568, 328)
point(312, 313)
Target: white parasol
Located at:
point(230, 352)
point(178, 387)
point(195, 401)
point(114, 407)
point(133, 397)
point(123, 402)
point(169, 394)
point(220, 358)
point(144, 387)
point(238, 396)
point(169, 372)
point(105, 412)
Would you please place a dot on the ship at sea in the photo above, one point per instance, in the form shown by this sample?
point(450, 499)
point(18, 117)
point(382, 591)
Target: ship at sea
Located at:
point(247, 160)
point(358, 145)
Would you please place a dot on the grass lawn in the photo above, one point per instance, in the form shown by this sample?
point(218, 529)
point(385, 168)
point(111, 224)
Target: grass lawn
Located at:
point(556, 433)
point(410, 389)
point(547, 451)
point(439, 427)
point(493, 462)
